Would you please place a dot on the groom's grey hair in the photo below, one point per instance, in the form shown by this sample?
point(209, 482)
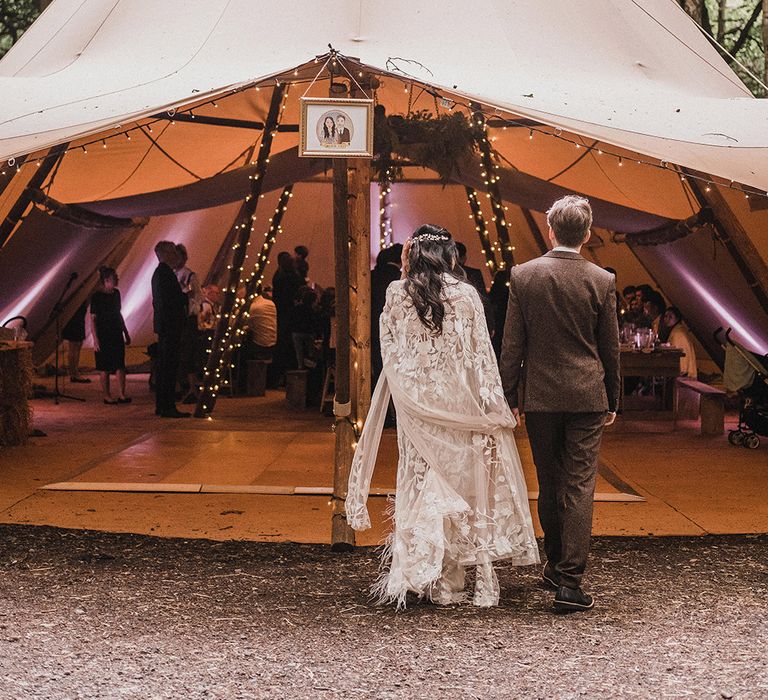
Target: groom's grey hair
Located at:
point(570, 219)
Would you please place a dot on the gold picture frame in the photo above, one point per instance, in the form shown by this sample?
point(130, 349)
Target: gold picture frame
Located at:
point(335, 127)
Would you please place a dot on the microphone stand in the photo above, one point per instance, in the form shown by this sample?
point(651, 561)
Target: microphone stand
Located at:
point(56, 314)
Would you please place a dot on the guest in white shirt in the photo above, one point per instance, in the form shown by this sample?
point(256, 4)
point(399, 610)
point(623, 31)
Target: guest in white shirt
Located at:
point(262, 323)
point(680, 337)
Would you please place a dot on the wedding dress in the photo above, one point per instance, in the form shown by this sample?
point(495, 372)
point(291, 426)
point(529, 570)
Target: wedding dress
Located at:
point(461, 497)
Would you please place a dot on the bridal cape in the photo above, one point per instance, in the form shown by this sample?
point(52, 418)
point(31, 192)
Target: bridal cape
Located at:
point(461, 497)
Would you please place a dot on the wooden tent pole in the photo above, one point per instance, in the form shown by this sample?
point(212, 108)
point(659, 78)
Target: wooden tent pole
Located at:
point(342, 536)
point(491, 182)
point(482, 231)
point(25, 199)
point(253, 282)
point(352, 247)
point(360, 286)
point(213, 377)
point(736, 241)
point(216, 270)
point(535, 230)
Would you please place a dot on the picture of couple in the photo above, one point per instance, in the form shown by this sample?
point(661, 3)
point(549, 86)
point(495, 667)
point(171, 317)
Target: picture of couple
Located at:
point(334, 130)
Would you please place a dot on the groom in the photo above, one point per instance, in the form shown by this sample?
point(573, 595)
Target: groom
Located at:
point(561, 342)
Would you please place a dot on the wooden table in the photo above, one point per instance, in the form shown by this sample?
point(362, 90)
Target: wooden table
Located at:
point(663, 364)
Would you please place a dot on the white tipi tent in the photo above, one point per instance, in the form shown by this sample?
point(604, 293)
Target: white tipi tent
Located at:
point(621, 97)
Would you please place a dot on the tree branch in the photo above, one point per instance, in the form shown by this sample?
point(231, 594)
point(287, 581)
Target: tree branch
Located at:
point(747, 28)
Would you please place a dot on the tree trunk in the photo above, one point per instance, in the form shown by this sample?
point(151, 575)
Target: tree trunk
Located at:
point(693, 8)
point(721, 5)
point(765, 42)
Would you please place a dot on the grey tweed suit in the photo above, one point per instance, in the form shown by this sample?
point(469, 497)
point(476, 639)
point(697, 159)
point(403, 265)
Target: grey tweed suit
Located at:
point(561, 341)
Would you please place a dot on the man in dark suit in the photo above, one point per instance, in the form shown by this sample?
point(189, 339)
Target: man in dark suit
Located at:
point(475, 278)
point(561, 342)
point(170, 310)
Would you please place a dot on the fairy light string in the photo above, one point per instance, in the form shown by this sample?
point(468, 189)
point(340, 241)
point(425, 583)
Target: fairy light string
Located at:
point(251, 284)
point(489, 168)
point(225, 336)
point(385, 210)
point(14, 164)
point(482, 231)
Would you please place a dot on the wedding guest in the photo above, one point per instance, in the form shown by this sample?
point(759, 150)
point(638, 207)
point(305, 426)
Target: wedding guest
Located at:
point(74, 334)
point(300, 263)
point(475, 278)
point(619, 298)
point(285, 285)
point(628, 294)
point(386, 271)
point(189, 348)
point(328, 325)
point(305, 329)
point(170, 311)
point(499, 297)
point(629, 306)
point(262, 324)
point(110, 336)
point(680, 337)
point(210, 306)
point(653, 310)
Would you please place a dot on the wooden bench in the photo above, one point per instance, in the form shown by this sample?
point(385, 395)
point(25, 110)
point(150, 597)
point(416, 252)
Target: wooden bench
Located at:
point(694, 399)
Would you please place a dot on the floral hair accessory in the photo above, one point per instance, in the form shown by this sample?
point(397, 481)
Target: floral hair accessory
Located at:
point(432, 237)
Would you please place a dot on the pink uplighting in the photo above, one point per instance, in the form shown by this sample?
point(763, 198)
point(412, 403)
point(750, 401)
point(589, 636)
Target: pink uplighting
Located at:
point(727, 315)
point(22, 305)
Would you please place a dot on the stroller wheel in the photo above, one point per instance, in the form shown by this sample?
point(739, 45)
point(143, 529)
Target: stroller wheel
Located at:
point(752, 442)
point(736, 437)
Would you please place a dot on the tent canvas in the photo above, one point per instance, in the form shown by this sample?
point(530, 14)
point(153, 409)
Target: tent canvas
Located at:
point(621, 97)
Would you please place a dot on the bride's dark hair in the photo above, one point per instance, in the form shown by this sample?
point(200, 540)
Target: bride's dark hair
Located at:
point(431, 256)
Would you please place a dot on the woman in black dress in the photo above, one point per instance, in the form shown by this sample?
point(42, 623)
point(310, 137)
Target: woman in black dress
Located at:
point(110, 336)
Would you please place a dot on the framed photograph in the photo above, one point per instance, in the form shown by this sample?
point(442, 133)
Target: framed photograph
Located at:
point(336, 128)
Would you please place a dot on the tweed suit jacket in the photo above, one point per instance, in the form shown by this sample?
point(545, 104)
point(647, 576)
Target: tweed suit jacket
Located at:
point(561, 336)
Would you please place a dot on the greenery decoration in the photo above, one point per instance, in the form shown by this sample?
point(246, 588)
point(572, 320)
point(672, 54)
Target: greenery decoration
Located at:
point(439, 143)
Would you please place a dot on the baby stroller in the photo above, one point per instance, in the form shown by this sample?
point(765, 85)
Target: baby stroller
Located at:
point(746, 373)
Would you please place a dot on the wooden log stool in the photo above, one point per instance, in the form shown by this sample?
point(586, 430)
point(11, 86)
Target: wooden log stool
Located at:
point(296, 388)
point(256, 381)
point(698, 400)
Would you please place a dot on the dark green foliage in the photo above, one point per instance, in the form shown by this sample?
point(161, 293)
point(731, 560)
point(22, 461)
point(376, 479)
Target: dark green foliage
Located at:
point(440, 143)
point(15, 17)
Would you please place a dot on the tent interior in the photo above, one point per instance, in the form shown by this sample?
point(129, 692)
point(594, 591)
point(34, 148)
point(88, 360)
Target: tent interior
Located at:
point(185, 181)
point(178, 168)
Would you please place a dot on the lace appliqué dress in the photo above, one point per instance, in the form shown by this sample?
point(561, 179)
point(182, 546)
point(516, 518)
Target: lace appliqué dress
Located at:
point(461, 497)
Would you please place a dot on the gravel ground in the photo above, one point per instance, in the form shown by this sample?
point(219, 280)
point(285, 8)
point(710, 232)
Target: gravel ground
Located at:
point(94, 615)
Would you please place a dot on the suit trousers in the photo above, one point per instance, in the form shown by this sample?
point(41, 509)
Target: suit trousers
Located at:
point(168, 350)
point(565, 449)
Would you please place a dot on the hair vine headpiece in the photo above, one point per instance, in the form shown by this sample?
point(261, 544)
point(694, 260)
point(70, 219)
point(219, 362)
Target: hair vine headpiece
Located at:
point(432, 237)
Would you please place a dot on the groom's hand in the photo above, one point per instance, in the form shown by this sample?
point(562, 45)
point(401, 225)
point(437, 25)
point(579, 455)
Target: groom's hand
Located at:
point(610, 418)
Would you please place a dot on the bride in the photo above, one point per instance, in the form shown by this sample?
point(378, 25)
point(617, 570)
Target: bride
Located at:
point(461, 497)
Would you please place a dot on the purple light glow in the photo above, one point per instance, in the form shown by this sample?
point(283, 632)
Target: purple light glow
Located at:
point(23, 304)
point(727, 315)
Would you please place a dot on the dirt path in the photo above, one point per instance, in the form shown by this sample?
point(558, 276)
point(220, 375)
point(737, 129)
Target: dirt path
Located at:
point(93, 615)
